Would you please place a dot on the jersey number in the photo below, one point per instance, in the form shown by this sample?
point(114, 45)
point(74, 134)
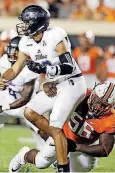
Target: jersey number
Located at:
point(12, 93)
point(80, 127)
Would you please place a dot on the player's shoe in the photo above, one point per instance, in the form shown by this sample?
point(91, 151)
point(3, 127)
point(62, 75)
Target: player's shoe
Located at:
point(18, 160)
point(54, 165)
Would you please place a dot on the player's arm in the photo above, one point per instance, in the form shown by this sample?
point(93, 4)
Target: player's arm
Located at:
point(26, 94)
point(65, 66)
point(12, 72)
point(106, 142)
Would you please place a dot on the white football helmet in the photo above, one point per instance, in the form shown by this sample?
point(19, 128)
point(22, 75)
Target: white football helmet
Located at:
point(102, 99)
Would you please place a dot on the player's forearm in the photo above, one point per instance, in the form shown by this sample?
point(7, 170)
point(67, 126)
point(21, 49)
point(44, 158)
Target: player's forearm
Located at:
point(12, 72)
point(26, 94)
point(19, 103)
point(9, 74)
point(94, 150)
point(65, 66)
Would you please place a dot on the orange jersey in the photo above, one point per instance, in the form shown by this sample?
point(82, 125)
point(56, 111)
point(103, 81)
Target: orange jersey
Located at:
point(87, 60)
point(80, 128)
point(104, 124)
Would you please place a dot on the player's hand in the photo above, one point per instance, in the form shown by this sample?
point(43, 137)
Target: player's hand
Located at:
point(3, 83)
point(50, 88)
point(36, 67)
point(78, 146)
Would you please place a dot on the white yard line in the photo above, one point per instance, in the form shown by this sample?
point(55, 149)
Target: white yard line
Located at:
point(26, 140)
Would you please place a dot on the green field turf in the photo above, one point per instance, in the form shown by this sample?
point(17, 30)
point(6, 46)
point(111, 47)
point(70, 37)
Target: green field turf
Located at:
point(9, 145)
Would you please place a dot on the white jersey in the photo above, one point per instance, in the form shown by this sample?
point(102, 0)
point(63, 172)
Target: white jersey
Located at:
point(24, 76)
point(4, 64)
point(12, 93)
point(44, 52)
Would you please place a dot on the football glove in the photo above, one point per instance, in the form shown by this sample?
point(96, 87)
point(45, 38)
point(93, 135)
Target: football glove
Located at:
point(36, 67)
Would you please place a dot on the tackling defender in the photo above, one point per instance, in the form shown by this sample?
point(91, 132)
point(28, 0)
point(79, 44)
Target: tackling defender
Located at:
point(90, 131)
point(50, 51)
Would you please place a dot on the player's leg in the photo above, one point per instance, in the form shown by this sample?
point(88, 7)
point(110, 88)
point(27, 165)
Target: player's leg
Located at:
point(64, 105)
point(38, 135)
point(41, 122)
point(35, 109)
point(71, 93)
point(39, 141)
point(42, 159)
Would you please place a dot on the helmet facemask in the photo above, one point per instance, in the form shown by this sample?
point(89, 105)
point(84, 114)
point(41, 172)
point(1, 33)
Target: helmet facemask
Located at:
point(23, 29)
point(12, 53)
point(97, 106)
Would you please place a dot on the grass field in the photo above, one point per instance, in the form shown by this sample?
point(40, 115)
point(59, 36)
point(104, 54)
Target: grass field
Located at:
point(10, 143)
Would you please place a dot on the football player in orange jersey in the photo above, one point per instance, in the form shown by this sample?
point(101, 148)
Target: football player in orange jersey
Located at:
point(86, 55)
point(92, 122)
point(94, 119)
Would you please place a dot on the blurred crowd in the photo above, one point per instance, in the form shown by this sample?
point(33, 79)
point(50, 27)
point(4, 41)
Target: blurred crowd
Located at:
point(71, 9)
point(96, 63)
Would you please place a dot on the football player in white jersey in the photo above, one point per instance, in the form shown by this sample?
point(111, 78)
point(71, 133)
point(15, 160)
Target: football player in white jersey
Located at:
point(50, 52)
point(20, 90)
point(18, 99)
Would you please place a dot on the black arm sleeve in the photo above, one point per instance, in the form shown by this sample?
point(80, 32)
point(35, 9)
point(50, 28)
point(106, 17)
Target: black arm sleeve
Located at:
point(66, 58)
point(66, 64)
point(66, 69)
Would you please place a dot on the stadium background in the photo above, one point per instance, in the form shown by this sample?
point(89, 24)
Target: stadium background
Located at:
point(76, 17)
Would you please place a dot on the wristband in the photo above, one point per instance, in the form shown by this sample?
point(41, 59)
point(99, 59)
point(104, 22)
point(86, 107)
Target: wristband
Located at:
point(53, 70)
